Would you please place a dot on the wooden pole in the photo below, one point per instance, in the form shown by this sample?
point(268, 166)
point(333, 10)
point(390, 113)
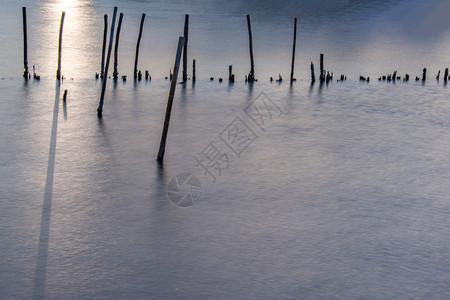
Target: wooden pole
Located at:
point(105, 36)
point(313, 77)
point(446, 75)
point(137, 47)
point(58, 72)
point(162, 146)
point(186, 34)
point(322, 75)
point(105, 78)
point(293, 50)
point(230, 73)
point(194, 76)
point(251, 75)
point(25, 44)
point(116, 48)
point(424, 74)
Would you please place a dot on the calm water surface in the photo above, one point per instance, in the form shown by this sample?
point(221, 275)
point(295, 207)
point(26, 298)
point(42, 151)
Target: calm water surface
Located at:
point(344, 193)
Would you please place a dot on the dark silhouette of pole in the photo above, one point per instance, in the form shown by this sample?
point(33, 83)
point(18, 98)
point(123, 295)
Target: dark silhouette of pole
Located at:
point(194, 76)
point(137, 47)
point(116, 48)
point(162, 146)
point(61, 25)
point(25, 44)
point(313, 77)
point(186, 34)
point(322, 75)
point(251, 75)
point(105, 36)
point(105, 78)
point(293, 49)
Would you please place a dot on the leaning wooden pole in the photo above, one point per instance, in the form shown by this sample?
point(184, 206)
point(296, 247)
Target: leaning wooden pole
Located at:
point(135, 73)
point(105, 78)
point(26, 74)
point(162, 146)
point(116, 48)
point(186, 34)
point(251, 75)
point(105, 36)
point(293, 50)
point(61, 25)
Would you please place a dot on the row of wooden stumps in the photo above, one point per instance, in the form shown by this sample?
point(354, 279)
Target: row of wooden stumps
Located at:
point(394, 77)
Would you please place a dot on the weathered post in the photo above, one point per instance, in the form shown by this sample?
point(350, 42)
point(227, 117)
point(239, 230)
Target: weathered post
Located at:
point(424, 74)
point(65, 96)
point(105, 78)
point(313, 77)
point(322, 75)
point(116, 48)
point(162, 146)
point(25, 44)
point(105, 36)
point(251, 75)
point(293, 50)
point(230, 73)
point(58, 72)
point(186, 34)
point(194, 76)
point(137, 47)
point(446, 75)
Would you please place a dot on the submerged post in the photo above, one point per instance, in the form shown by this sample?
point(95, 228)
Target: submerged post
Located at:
point(186, 34)
point(162, 146)
point(313, 77)
point(25, 44)
point(251, 75)
point(58, 72)
point(116, 48)
point(446, 75)
point(230, 73)
point(105, 36)
point(105, 78)
point(293, 50)
point(424, 74)
point(194, 76)
point(137, 47)
point(322, 75)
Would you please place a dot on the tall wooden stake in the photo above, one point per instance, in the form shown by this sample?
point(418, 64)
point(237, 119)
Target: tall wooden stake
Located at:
point(105, 36)
point(25, 44)
point(105, 78)
point(251, 75)
point(322, 75)
point(116, 47)
point(137, 47)
point(293, 50)
point(194, 76)
point(162, 146)
point(186, 34)
point(58, 72)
